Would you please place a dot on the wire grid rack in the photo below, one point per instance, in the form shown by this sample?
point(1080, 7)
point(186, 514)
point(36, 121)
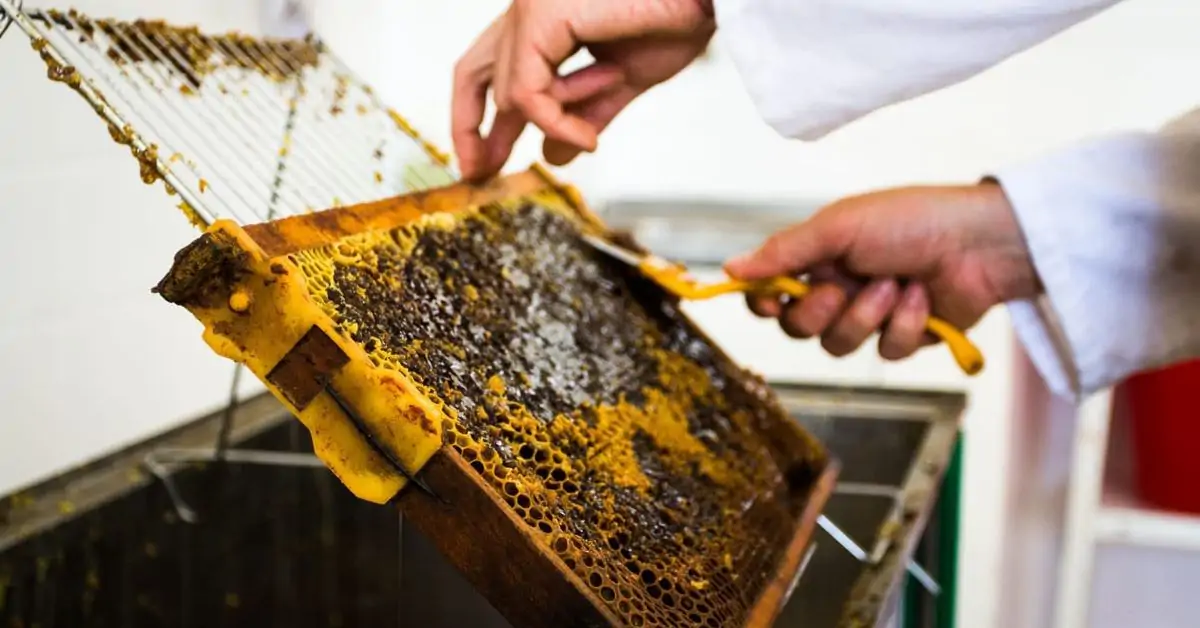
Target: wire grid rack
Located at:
point(238, 128)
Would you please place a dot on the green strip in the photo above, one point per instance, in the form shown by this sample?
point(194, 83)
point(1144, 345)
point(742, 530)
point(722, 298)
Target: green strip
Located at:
point(948, 518)
point(946, 571)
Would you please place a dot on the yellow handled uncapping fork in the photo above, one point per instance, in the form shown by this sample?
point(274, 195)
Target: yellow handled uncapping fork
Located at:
point(674, 278)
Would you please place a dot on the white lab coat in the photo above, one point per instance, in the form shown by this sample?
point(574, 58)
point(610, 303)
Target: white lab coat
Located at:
point(1113, 224)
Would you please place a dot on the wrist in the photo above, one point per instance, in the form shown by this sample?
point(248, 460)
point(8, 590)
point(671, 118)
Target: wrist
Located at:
point(1008, 268)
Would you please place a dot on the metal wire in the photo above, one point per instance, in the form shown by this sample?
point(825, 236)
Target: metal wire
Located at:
point(241, 128)
point(227, 414)
point(854, 549)
point(165, 461)
point(7, 19)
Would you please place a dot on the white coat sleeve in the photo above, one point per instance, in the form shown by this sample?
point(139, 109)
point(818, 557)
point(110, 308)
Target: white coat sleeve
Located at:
point(1113, 226)
point(812, 66)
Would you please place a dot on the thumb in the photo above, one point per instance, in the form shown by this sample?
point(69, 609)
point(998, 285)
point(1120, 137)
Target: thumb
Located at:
point(821, 239)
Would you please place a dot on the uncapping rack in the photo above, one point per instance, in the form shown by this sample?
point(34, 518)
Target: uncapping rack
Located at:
point(239, 128)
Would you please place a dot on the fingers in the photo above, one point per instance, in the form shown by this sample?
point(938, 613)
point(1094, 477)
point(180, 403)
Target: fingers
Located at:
point(844, 321)
point(587, 83)
point(864, 316)
point(472, 76)
point(502, 138)
point(467, 107)
point(813, 314)
point(764, 306)
point(905, 333)
point(537, 45)
point(592, 82)
point(598, 111)
point(823, 238)
point(557, 123)
point(522, 75)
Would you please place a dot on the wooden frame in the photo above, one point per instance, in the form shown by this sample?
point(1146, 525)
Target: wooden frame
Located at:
point(246, 287)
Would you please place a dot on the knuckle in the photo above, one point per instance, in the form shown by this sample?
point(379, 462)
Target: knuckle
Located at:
point(520, 96)
point(774, 249)
point(463, 71)
point(504, 100)
point(860, 321)
point(824, 304)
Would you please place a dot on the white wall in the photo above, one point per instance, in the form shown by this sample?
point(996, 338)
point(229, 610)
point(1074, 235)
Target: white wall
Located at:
point(92, 361)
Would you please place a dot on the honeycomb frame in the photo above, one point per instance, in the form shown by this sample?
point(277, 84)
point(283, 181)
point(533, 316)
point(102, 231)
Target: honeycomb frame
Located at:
point(265, 295)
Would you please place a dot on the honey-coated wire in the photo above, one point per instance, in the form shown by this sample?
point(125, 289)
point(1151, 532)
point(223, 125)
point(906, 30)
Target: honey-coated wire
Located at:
point(238, 128)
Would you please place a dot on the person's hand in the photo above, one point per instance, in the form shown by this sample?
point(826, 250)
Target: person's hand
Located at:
point(888, 260)
point(637, 44)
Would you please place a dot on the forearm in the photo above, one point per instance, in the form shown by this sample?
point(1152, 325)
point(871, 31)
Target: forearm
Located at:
point(1113, 226)
point(812, 66)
